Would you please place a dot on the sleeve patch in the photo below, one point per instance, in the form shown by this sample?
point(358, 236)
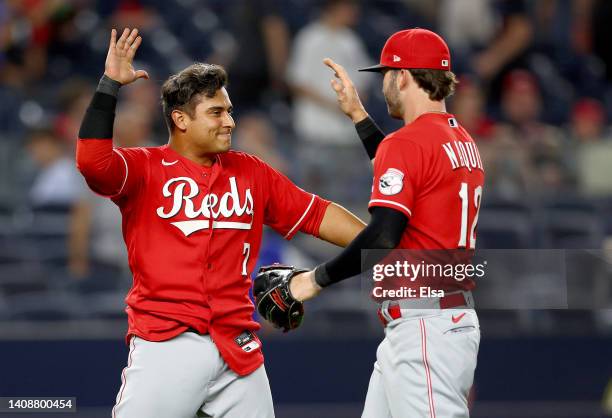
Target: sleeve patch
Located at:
point(392, 182)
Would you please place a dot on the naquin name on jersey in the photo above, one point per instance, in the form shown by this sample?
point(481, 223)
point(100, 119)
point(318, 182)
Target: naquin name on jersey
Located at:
point(463, 155)
point(211, 207)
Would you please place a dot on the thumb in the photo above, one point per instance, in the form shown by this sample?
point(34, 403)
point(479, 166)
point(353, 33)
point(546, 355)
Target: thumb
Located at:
point(142, 74)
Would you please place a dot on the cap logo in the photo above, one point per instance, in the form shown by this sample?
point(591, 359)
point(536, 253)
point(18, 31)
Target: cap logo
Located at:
point(396, 58)
point(444, 63)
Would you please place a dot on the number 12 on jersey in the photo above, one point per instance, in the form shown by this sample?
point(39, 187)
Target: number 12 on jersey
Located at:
point(465, 201)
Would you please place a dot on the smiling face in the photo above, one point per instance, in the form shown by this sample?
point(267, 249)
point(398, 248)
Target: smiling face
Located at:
point(208, 130)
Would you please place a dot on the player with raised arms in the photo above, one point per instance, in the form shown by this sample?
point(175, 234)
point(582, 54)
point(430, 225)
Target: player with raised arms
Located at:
point(192, 217)
point(428, 179)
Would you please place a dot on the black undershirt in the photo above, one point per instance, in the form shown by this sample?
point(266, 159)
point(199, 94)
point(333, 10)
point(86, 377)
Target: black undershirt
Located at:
point(383, 232)
point(100, 115)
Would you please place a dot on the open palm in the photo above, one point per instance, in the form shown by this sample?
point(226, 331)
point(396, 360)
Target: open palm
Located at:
point(120, 56)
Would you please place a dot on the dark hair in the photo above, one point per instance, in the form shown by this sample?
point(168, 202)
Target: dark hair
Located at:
point(440, 84)
point(182, 91)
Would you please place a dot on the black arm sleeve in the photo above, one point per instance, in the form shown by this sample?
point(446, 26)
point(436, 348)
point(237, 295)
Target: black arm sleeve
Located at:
point(383, 232)
point(370, 134)
point(100, 115)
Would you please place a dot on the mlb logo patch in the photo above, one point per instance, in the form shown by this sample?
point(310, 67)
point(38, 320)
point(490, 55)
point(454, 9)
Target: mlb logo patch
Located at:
point(453, 122)
point(444, 63)
point(247, 341)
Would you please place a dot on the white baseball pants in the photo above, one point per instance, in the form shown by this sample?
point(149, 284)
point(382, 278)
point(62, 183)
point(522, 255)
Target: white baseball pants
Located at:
point(425, 365)
point(185, 377)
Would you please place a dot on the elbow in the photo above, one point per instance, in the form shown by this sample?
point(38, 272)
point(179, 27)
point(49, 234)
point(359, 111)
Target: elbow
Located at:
point(388, 241)
point(85, 165)
point(81, 158)
point(89, 161)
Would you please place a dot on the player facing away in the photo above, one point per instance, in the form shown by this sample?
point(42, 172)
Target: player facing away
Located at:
point(428, 179)
point(192, 218)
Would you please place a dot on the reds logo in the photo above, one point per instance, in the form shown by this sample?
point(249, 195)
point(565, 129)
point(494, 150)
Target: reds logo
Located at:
point(211, 207)
point(391, 182)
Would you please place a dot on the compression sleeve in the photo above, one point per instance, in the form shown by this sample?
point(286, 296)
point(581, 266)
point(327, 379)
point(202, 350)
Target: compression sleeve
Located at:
point(370, 134)
point(383, 232)
point(104, 169)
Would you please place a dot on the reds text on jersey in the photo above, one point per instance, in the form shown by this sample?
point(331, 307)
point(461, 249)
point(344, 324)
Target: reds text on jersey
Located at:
point(193, 234)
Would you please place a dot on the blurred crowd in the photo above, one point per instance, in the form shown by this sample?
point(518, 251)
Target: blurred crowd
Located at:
point(535, 92)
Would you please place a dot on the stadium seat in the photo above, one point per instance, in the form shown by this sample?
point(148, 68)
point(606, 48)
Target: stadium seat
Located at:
point(504, 229)
point(46, 305)
point(106, 305)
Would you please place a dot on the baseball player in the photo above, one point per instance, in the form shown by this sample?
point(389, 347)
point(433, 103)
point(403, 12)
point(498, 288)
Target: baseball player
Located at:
point(192, 218)
point(428, 179)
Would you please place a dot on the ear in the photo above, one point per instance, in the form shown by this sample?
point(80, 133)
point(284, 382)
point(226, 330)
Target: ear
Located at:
point(180, 119)
point(404, 79)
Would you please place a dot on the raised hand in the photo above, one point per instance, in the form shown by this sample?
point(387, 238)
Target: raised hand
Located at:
point(120, 55)
point(346, 93)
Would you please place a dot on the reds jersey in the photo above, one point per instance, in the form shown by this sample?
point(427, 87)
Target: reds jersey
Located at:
point(431, 171)
point(193, 234)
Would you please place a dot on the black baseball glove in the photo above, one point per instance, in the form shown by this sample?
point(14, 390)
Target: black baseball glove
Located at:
point(273, 299)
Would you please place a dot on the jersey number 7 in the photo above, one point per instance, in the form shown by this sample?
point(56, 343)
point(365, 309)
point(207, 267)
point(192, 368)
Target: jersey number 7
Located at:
point(465, 201)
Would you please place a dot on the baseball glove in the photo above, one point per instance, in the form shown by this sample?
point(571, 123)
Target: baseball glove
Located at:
point(273, 299)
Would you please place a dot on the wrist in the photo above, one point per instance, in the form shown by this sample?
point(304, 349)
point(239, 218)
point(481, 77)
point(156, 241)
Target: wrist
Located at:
point(359, 115)
point(320, 277)
point(108, 86)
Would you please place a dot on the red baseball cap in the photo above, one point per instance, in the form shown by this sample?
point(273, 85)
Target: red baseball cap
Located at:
point(416, 49)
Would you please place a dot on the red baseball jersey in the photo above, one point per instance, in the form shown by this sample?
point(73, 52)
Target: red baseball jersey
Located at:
point(193, 234)
point(431, 171)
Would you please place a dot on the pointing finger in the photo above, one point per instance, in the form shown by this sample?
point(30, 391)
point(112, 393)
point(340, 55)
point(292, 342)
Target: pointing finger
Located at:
point(331, 64)
point(339, 70)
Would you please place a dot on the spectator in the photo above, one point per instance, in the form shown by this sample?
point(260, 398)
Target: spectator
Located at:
point(488, 37)
point(24, 34)
point(74, 96)
point(509, 43)
point(57, 182)
point(528, 153)
point(588, 121)
point(255, 135)
point(328, 148)
point(468, 25)
point(468, 105)
point(258, 63)
point(589, 152)
point(132, 14)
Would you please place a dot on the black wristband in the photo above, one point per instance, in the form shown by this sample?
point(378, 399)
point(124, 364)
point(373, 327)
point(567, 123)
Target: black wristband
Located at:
point(109, 86)
point(370, 134)
point(321, 276)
